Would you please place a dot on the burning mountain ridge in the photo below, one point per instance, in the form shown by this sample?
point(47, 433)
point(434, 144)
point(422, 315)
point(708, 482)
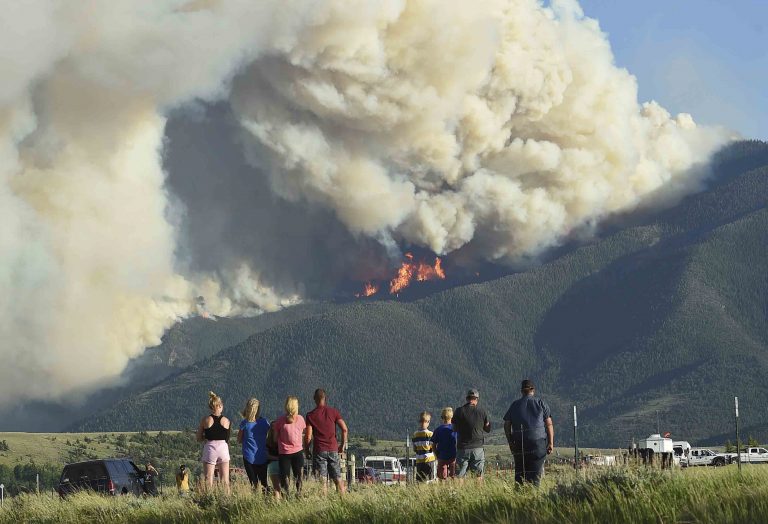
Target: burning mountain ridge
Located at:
point(494, 128)
point(409, 271)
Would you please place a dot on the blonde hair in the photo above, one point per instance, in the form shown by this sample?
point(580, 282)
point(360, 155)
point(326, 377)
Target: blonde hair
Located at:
point(214, 400)
point(291, 409)
point(252, 410)
point(425, 416)
point(446, 414)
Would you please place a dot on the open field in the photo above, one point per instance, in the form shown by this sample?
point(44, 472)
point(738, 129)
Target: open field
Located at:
point(701, 495)
point(57, 448)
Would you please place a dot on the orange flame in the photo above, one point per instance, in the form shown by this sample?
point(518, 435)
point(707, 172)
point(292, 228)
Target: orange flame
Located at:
point(369, 289)
point(420, 271)
point(408, 271)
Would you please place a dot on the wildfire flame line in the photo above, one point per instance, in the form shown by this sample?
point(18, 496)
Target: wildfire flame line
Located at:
point(408, 271)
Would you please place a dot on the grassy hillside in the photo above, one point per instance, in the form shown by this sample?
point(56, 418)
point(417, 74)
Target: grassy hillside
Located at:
point(666, 314)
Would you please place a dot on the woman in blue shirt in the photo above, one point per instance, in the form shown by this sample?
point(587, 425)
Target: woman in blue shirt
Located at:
point(253, 436)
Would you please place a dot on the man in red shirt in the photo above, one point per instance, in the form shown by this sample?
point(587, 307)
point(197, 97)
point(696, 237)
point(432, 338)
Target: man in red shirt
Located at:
point(326, 451)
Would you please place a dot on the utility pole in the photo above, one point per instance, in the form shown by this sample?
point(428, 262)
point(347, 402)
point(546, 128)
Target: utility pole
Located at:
point(738, 444)
point(658, 424)
point(575, 441)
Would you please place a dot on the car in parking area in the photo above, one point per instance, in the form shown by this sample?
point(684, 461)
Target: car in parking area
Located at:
point(117, 476)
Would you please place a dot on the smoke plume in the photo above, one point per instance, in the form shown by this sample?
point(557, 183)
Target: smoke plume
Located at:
point(253, 153)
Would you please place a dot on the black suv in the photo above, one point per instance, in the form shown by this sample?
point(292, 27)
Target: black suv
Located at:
point(110, 476)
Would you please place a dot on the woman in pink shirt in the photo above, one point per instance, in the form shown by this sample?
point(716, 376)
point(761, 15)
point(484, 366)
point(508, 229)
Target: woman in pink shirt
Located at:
point(289, 431)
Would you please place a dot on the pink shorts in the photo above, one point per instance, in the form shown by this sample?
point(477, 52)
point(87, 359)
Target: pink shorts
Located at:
point(215, 452)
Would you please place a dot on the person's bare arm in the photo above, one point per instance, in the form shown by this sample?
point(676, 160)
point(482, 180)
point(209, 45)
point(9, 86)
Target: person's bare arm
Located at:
point(550, 427)
point(200, 435)
point(487, 425)
point(307, 439)
point(344, 434)
point(240, 436)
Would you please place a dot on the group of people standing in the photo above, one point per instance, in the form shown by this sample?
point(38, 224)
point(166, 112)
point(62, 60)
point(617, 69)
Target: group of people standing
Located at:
point(456, 447)
point(272, 451)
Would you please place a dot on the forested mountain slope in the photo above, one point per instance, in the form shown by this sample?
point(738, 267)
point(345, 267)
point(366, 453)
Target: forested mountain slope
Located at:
point(667, 313)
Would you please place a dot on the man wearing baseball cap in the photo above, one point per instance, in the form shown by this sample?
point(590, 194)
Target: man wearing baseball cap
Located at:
point(530, 434)
point(469, 423)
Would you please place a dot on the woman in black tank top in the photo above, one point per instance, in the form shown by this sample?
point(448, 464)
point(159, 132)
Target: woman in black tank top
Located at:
point(213, 431)
point(216, 431)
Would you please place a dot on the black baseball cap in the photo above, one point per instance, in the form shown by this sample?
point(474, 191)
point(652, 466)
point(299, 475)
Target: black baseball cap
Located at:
point(473, 393)
point(527, 384)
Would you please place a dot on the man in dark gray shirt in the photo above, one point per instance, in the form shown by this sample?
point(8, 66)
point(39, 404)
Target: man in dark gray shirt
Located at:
point(469, 422)
point(530, 433)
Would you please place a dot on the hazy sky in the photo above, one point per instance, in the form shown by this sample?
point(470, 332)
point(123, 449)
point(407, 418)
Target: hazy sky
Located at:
point(705, 57)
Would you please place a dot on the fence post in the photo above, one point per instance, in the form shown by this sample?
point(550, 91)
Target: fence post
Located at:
point(351, 473)
point(2, 495)
point(738, 444)
point(575, 441)
point(37, 482)
point(407, 458)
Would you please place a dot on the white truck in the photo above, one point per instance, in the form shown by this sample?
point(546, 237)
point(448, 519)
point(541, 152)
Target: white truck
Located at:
point(751, 455)
point(705, 457)
point(682, 450)
point(389, 469)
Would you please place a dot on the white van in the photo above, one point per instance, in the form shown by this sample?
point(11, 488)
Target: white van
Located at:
point(389, 469)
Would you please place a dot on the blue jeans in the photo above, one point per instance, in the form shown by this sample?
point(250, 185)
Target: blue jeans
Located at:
point(529, 460)
point(472, 459)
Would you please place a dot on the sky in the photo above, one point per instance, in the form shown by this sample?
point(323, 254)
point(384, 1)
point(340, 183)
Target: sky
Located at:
point(704, 57)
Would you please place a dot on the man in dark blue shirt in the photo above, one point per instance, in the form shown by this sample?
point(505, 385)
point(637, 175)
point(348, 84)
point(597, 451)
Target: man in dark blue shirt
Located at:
point(530, 433)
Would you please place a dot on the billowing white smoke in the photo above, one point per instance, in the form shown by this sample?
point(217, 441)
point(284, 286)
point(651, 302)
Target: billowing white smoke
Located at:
point(499, 126)
point(447, 122)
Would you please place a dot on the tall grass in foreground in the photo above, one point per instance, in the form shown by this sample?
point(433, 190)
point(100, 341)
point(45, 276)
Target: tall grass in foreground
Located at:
point(711, 495)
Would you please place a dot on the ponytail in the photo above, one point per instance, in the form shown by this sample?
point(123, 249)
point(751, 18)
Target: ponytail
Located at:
point(291, 409)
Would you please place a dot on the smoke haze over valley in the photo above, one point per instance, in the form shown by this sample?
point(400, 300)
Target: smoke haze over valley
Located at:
point(257, 154)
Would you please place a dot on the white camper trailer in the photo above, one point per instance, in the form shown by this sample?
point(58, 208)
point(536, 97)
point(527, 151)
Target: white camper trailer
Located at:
point(656, 447)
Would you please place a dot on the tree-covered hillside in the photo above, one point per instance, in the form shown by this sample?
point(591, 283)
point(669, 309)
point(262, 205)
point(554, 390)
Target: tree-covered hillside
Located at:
point(197, 338)
point(665, 314)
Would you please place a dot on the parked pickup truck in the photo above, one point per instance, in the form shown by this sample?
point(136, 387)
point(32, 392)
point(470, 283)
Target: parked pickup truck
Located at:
point(751, 455)
point(388, 469)
point(705, 457)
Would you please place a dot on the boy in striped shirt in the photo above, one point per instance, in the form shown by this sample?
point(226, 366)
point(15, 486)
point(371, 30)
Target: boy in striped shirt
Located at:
point(423, 447)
